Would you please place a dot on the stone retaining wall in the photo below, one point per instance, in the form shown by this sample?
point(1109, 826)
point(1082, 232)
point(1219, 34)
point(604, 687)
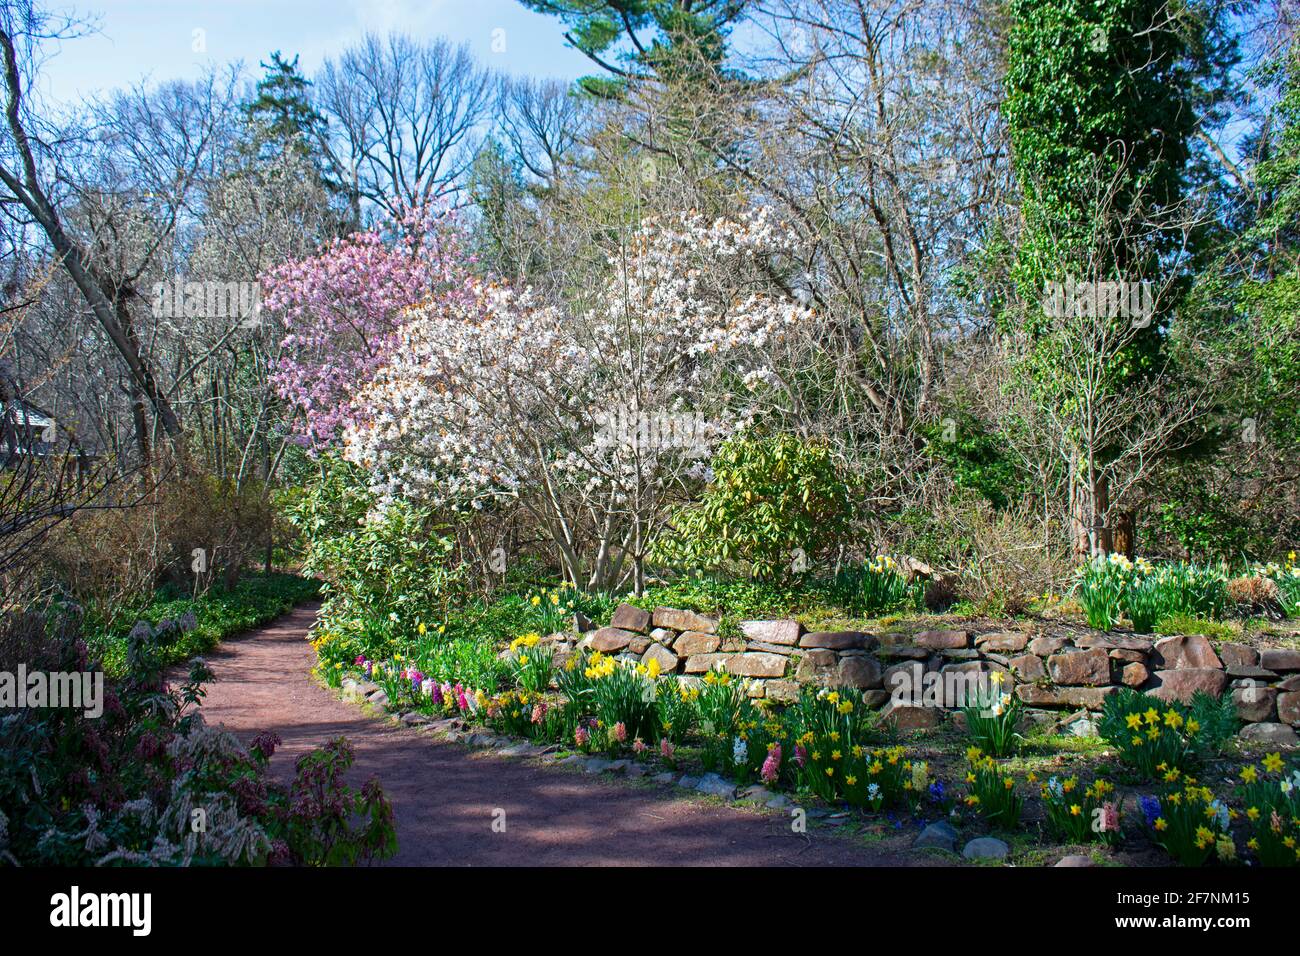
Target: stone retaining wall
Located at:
point(914, 678)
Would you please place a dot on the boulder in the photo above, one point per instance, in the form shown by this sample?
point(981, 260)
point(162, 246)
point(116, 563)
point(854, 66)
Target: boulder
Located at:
point(1238, 655)
point(696, 642)
point(757, 665)
point(1288, 707)
point(1075, 859)
point(937, 836)
point(1280, 659)
point(784, 691)
point(1090, 698)
point(937, 640)
point(1134, 674)
point(1089, 668)
point(610, 640)
point(1272, 735)
point(986, 848)
point(908, 717)
point(834, 640)
point(1002, 642)
point(859, 672)
point(1255, 704)
point(1046, 646)
point(1182, 683)
point(678, 620)
point(631, 618)
point(1028, 667)
point(772, 632)
point(1184, 651)
point(702, 663)
point(666, 658)
point(816, 666)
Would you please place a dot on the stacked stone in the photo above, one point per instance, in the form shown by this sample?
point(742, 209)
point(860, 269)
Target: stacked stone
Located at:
point(1051, 672)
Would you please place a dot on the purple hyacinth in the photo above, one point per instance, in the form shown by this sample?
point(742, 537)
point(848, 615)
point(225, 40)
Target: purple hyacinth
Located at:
point(1150, 808)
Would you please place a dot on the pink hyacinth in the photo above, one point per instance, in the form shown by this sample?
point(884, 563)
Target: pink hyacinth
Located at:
point(639, 747)
point(361, 659)
point(772, 765)
point(581, 736)
point(539, 712)
point(620, 732)
point(666, 749)
point(461, 700)
point(800, 755)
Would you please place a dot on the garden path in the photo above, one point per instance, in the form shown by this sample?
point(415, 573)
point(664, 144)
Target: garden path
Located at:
point(444, 795)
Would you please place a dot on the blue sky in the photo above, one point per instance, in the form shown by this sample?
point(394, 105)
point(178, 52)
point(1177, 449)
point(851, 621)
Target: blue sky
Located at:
point(156, 39)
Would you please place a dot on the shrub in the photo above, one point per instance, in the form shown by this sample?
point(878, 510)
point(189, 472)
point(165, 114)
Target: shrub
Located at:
point(775, 507)
point(388, 573)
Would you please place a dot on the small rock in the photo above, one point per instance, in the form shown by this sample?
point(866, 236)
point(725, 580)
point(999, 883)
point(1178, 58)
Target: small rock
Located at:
point(1076, 859)
point(939, 835)
point(596, 765)
point(665, 778)
point(937, 640)
point(631, 618)
point(986, 848)
point(1277, 735)
point(716, 786)
point(378, 698)
point(687, 782)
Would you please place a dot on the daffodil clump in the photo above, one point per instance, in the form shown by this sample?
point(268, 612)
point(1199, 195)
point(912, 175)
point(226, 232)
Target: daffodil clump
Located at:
point(991, 790)
point(1081, 815)
point(722, 706)
point(533, 664)
point(520, 713)
point(876, 586)
point(830, 739)
point(1269, 792)
point(677, 704)
point(623, 693)
point(1111, 587)
point(1190, 822)
point(552, 609)
point(993, 716)
point(1286, 575)
point(1153, 736)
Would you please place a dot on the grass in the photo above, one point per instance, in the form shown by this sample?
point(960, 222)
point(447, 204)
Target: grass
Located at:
point(219, 613)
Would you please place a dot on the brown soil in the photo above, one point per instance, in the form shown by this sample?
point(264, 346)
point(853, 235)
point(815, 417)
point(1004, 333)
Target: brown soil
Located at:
point(445, 796)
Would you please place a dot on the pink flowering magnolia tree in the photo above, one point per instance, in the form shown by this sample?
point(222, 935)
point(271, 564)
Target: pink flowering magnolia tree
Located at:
point(593, 420)
point(342, 310)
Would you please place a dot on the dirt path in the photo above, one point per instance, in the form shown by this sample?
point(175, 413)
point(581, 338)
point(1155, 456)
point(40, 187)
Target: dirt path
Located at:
point(444, 795)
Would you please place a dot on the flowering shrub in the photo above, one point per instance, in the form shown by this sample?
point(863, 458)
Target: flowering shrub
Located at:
point(1271, 798)
point(991, 791)
point(1081, 816)
point(495, 395)
point(1155, 737)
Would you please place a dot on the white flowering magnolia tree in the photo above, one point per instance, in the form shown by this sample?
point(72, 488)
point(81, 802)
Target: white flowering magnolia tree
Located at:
point(594, 419)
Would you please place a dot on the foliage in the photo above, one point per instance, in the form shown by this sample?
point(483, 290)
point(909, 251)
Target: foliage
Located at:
point(1190, 823)
point(875, 587)
point(1270, 796)
point(993, 717)
point(991, 791)
point(1081, 817)
point(774, 506)
point(1147, 593)
point(1163, 740)
point(209, 618)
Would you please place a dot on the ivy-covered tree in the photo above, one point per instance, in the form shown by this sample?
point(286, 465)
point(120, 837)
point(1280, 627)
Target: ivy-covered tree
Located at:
point(1101, 105)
